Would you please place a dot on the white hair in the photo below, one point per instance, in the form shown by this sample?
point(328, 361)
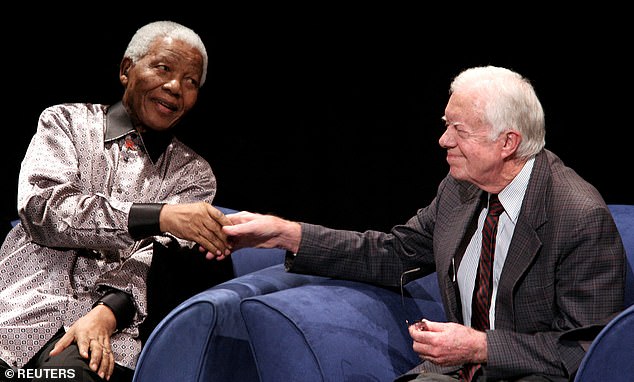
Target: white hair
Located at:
point(508, 102)
point(140, 43)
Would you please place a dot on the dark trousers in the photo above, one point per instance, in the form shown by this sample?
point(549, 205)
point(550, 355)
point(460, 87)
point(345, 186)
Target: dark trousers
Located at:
point(68, 366)
point(432, 377)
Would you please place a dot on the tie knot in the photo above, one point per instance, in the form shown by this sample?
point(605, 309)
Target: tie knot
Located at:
point(495, 207)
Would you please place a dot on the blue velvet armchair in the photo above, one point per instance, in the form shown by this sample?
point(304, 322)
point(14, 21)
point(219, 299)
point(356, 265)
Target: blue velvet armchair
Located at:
point(337, 330)
point(269, 325)
point(203, 338)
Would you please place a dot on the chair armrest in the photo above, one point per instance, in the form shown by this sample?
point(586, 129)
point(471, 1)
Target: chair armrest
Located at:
point(248, 260)
point(336, 330)
point(204, 338)
point(610, 356)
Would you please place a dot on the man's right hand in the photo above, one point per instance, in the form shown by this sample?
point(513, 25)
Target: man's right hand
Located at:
point(263, 231)
point(199, 222)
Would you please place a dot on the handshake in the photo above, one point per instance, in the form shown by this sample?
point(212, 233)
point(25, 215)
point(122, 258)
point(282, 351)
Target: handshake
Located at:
point(218, 235)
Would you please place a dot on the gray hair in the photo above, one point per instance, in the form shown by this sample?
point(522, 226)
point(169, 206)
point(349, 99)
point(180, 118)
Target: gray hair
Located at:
point(144, 36)
point(508, 101)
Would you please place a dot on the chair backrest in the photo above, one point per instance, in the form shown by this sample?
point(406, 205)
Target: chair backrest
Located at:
point(612, 351)
point(624, 218)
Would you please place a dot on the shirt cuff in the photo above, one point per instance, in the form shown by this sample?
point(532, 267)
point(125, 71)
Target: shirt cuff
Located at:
point(143, 220)
point(289, 259)
point(121, 305)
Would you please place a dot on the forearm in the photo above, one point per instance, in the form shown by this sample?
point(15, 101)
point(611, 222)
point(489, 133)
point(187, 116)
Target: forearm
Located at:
point(369, 256)
point(289, 237)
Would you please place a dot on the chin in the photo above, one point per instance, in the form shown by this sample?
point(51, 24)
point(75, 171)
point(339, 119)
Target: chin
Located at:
point(161, 125)
point(457, 174)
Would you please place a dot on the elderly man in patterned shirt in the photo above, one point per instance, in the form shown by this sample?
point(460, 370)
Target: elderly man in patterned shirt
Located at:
point(99, 186)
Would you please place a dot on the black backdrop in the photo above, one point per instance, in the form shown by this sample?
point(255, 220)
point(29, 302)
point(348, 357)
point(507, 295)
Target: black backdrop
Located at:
point(334, 118)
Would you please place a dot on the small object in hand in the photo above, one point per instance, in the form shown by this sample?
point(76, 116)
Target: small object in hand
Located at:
point(420, 324)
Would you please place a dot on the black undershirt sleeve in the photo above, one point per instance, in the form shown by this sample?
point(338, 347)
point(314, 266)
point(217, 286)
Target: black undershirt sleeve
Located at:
point(143, 220)
point(121, 305)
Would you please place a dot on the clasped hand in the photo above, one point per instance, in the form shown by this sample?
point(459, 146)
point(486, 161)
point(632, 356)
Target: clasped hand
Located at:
point(262, 231)
point(199, 222)
point(448, 343)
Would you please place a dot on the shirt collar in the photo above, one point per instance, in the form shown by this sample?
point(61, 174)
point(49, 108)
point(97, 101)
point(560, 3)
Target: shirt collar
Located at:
point(118, 125)
point(512, 195)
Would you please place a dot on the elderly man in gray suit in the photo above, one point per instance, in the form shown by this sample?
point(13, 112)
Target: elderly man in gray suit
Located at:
point(557, 265)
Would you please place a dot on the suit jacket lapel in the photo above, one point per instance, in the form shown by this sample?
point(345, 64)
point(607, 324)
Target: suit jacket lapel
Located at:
point(525, 243)
point(458, 229)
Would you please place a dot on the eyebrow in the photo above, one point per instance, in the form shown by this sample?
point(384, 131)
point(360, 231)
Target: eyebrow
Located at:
point(444, 118)
point(452, 123)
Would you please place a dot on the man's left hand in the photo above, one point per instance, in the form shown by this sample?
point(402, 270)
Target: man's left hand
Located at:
point(92, 334)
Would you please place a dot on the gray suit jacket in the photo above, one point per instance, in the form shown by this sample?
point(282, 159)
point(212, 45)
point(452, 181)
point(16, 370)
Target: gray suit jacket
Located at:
point(564, 270)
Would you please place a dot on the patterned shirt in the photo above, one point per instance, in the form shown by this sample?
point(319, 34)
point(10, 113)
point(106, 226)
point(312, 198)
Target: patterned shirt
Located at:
point(84, 168)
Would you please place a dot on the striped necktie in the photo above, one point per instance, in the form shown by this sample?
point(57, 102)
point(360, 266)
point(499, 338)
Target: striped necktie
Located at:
point(481, 301)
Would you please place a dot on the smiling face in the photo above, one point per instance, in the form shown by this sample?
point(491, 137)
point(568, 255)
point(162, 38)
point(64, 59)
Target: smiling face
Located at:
point(162, 86)
point(471, 154)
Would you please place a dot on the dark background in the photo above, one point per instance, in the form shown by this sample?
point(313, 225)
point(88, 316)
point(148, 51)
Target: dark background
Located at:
point(333, 117)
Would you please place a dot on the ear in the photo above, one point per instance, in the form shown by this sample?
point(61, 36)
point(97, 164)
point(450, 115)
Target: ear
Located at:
point(124, 69)
point(511, 141)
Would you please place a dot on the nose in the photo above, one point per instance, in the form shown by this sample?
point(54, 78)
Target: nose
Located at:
point(446, 140)
point(173, 86)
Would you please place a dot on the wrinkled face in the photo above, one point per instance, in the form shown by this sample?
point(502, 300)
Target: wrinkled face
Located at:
point(471, 155)
point(161, 87)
